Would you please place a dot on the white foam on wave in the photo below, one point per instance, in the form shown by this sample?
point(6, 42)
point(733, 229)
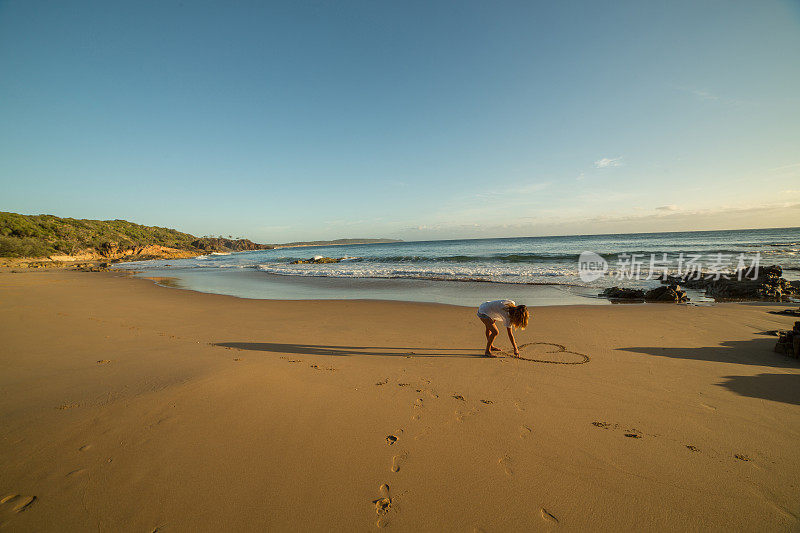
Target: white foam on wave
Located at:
point(495, 273)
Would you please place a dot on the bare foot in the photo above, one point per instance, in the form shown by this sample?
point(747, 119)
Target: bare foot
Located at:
point(487, 354)
point(496, 349)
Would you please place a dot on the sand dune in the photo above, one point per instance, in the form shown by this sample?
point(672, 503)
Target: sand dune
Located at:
point(132, 407)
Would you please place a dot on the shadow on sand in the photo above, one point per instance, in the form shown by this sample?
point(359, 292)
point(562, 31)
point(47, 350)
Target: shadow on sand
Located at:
point(753, 352)
point(385, 351)
point(776, 387)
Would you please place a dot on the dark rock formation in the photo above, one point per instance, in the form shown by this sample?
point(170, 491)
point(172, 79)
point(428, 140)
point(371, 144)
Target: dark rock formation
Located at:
point(789, 342)
point(623, 293)
point(769, 285)
point(316, 260)
point(673, 293)
point(788, 312)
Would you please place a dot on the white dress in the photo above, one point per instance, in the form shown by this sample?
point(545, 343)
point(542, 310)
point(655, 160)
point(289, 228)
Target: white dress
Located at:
point(497, 310)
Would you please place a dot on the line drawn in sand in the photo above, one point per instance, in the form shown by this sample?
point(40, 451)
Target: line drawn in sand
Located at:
point(559, 349)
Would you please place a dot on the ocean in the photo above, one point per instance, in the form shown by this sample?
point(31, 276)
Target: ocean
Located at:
point(536, 270)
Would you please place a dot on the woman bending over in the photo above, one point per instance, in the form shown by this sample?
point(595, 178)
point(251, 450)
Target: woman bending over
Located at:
point(505, 311)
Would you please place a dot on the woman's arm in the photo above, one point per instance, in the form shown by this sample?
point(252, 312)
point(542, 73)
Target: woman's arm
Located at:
point(513, 342)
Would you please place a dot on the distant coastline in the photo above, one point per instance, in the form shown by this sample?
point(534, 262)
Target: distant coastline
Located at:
point(336, 242)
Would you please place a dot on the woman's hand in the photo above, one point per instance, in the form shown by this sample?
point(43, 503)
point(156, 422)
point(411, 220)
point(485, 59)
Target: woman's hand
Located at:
point(513, 342)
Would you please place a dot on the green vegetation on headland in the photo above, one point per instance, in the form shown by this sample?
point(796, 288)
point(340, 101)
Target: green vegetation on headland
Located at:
point(48, 236)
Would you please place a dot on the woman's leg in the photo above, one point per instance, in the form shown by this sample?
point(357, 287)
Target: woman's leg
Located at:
point(491, 334)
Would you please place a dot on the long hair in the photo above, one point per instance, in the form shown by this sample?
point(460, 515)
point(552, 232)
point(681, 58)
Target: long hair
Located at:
point(519, 316)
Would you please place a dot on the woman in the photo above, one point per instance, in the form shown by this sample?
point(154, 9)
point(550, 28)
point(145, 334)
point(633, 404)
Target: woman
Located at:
point(509, 313)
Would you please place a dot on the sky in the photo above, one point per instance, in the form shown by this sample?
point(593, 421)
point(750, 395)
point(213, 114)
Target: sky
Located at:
point(417, 120)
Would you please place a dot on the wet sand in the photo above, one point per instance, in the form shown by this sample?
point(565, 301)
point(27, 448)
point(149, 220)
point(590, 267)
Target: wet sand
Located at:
point(132, 407)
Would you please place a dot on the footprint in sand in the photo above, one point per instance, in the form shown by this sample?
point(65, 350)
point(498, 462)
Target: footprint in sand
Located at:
point(630, 433)
point(487, 402)
point(505, 462)
point(741, 457)
point(103, 361)
point(383, 382)
point(404, 384)
point(547, 516)
point(398, 460)
point(13, 504)
point(391, 439)
point(424, 433)
point(524, 431)
point(418, 402)
point(461, 415)
point(383, 505)
point(693, 448)
point(459, 397)
point(85, 447)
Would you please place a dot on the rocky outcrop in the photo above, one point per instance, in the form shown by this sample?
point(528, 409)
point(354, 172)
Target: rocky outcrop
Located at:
point(623, 293)
point(114, 253)
point(768, 285)
point(672, 293)
point(789, 342)
point(787, 312)
point(316, 260)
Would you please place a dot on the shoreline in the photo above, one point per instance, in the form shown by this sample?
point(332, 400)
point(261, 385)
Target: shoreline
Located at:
point(259, 285)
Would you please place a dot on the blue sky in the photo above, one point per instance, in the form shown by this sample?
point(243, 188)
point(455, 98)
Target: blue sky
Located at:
point(414, 120)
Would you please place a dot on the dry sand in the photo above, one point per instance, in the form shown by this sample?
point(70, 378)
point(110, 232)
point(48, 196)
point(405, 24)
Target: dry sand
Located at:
point(131, 407)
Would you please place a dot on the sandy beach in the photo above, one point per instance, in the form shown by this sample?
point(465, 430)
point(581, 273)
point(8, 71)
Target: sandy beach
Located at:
point(126, 406)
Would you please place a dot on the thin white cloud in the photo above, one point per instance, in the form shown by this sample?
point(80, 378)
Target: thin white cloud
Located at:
point(671, 207)
point(708, 96)
point(608, 162)
point(703, 95)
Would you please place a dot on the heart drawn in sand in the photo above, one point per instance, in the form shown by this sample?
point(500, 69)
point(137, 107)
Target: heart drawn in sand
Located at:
point(548, 352)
